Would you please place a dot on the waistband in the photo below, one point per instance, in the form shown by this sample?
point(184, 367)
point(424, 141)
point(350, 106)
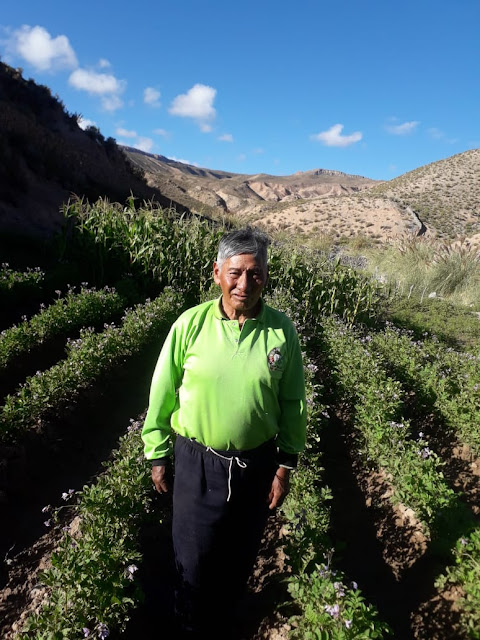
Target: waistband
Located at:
point(265, 448)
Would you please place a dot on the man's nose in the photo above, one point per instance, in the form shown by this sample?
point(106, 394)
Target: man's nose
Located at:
point(242, 282)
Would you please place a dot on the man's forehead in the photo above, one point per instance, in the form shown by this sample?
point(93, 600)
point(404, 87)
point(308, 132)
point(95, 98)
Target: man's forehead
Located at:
point(245, 261)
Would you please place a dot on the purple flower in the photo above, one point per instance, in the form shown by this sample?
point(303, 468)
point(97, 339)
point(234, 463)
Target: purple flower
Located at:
point(463, 541)
point(348, 623)
point(86, 632)
point(338, 586)
point(333, 610)
point(46, 509)
point(426, 452)
point(130, 570)
point(103, 631)
point(354, 585)
point(47, 523)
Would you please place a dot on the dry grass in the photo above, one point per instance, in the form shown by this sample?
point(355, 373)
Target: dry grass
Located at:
point(420, 267)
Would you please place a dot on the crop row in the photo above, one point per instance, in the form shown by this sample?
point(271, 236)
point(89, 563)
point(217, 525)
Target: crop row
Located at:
point(388, 442)
point(385, 439)
point(88, 358)
point(332, 607)
point(65, 316)
point(18, 286)
point(10, 279)
point(90, 586)
point(449, 380)
point(465, 573)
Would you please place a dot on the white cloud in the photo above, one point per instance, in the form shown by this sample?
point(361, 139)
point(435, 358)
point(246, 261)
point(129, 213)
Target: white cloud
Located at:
point(152, 97)
point(242, 157)
point(436, 134)
point(333, 137)
point(144, 144)
point(83, 123)
point(104, 64)
point(197, 103)
point(258, 151)
point(161, 132)
point(96, 83)
point(402, 129)
point(105, 85)
point(37, 47)
point(226, 137)
point(111, 103)
point(126, 133)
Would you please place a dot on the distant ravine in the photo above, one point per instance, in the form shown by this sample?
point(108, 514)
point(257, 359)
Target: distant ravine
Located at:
point(422, 229)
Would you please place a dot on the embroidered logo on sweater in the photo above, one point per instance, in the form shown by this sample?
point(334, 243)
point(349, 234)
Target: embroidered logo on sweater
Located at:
point(274, 360)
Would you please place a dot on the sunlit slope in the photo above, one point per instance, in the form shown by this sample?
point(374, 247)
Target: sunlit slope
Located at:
point(445, 194)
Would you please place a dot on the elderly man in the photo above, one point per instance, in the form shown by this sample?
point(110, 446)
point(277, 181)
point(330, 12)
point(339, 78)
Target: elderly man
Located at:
point(229, 388)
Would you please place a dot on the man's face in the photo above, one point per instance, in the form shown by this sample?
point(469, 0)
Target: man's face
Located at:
point(242, 279)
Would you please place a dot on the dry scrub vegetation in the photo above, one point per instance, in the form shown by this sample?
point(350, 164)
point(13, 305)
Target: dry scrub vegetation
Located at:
point(444, 194)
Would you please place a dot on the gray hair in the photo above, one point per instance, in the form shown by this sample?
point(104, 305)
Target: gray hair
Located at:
point(248, 240)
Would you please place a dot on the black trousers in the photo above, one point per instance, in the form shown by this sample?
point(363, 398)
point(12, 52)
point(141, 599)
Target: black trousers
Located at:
point(220, 510)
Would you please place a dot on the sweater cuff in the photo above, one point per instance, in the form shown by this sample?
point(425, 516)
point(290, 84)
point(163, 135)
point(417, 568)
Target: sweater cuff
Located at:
point(287, 460)
point(160, 462)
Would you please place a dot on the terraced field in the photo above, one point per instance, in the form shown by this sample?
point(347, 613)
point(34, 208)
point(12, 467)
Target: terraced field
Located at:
point(380, 536)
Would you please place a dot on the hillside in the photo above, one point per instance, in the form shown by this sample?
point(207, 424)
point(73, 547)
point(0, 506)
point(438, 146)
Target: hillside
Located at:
point(45, 157)
point(441, 199)
point(222, 192)
point(444, 194)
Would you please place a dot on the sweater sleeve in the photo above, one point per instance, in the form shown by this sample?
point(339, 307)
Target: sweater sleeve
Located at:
point(167, 378)
point(293, 406)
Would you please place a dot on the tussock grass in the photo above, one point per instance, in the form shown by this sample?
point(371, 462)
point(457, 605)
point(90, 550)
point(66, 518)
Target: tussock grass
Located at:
point(420, 267)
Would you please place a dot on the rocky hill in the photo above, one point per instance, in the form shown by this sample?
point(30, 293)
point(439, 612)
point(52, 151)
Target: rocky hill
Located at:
point(45, 157)
point(445, 194)
point(222, 192)
point(441, 199)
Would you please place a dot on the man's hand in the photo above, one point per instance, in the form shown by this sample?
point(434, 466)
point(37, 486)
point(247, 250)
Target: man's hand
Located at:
point(280, 488)
point(160, 480)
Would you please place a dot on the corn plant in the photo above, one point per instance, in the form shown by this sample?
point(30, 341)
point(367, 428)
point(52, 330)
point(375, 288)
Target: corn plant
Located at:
point(151, 242)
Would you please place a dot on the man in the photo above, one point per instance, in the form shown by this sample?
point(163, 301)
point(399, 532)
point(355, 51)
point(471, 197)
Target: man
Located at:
point(229, 385)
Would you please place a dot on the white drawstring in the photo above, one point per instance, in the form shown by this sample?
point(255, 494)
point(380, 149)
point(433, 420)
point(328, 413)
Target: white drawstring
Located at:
point(241, 464)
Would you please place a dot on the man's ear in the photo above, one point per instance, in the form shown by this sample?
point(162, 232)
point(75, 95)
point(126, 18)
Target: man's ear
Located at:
point(216, 273)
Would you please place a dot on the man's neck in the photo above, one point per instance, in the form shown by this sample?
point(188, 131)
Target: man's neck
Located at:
point(241, 316)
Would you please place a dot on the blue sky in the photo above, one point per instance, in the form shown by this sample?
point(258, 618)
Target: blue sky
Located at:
point(374, 88)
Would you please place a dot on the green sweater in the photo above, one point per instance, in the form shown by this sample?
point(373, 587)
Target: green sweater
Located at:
point(225, 387)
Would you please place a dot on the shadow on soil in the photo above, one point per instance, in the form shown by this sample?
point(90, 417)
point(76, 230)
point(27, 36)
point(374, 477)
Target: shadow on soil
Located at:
point(68, 451)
